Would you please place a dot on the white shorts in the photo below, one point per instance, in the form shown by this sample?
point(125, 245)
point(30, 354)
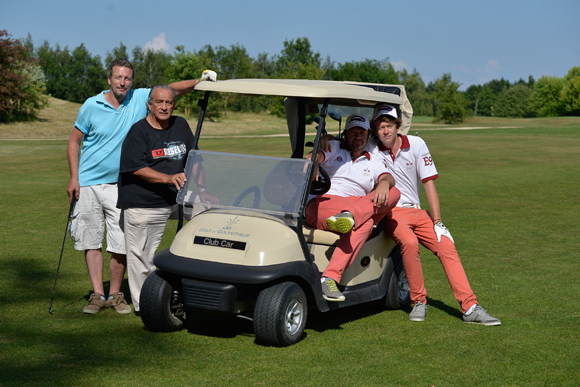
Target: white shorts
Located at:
point(95, 209)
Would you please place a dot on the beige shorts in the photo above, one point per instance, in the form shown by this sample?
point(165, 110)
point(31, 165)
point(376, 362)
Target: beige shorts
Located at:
point(95, 211)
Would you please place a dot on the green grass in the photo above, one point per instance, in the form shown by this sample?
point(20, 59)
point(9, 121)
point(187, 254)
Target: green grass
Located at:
point(509, 197)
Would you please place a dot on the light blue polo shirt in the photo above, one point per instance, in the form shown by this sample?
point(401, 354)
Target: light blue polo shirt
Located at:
point(105, 129)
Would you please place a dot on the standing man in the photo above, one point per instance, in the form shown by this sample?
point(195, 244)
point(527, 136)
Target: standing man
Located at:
point(153, 158)
point(361, 194)
point(411, 163)
point(101, 126)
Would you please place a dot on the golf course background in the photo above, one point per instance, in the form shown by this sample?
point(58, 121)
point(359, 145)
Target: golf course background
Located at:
point(509, 195)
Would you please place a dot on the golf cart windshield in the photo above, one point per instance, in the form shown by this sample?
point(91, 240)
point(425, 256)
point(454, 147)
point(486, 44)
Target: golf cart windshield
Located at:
point(269, 185)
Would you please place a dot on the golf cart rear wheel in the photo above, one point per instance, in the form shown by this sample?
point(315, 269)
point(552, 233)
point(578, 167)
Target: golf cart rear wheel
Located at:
point(161, 305)
point(280, 314)
point(398, 295)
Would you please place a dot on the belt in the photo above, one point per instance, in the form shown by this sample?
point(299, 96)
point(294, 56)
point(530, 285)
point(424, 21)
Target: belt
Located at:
point(409, 205)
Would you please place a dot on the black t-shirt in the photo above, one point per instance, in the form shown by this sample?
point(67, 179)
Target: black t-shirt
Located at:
point(163, 150)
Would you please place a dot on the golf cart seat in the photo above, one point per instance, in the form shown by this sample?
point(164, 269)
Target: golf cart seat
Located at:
point(320, 237)
point(329, 238)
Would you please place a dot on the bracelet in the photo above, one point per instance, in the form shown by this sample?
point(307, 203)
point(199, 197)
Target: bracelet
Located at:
point(202, 189)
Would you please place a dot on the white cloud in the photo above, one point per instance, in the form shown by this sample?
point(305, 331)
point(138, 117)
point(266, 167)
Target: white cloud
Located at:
point(489, 72)
point(157, 44)
point(400, 65)
point(492, 68)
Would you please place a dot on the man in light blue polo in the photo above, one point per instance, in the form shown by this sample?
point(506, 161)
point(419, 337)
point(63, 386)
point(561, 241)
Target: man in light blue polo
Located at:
point(101, 126)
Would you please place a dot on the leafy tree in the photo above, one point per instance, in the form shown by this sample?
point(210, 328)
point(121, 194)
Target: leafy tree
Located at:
point(264, 67)
point(369, 70)
point(514, 102)
point(21, 81)
point(86, 75)
point(570, 94)
point(186, 65)
point(295, 53)
point(449, 102)
point(296, 61)
point(545, 100)
point(116, 53)
point(73, 76)
point(151, 67)
point(233, 62)
point(421, 101)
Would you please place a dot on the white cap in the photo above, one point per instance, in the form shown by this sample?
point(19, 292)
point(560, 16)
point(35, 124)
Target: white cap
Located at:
point(357, 121)
point(385, 110)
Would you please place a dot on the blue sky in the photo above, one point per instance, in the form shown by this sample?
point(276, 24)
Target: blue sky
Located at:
point(474, 41)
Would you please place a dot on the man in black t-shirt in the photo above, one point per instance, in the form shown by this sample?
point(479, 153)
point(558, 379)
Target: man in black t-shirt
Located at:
point(153, 158)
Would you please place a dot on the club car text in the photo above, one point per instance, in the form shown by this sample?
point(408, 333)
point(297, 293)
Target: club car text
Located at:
point(216, 242)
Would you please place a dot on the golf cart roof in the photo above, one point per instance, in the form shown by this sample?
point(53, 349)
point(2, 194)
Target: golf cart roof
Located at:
point(315, 91)
point(339, 92)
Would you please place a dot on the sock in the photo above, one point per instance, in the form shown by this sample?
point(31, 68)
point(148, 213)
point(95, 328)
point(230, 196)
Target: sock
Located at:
point(470, 310)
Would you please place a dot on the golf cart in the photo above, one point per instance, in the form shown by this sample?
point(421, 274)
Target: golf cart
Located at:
point(253, 254)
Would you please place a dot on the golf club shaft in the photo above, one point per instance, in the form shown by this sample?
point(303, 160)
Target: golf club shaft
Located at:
point(70, 215)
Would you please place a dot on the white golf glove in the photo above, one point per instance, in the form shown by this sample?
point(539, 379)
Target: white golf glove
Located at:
point(208, 75)
point(440, 230)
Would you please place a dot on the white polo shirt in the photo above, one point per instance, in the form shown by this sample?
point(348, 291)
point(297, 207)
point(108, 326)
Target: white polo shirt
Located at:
point(411, 166)
point(352, 177)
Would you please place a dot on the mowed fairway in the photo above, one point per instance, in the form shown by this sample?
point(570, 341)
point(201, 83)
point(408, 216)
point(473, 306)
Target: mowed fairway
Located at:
point(510, 198)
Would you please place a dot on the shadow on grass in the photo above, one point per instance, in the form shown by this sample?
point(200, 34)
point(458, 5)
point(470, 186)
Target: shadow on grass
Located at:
point(437, 304)
point(333, 320)
point(450, 310)
point(214, 325)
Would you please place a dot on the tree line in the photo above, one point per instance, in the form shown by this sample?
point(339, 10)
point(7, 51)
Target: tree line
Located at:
point(28, 74)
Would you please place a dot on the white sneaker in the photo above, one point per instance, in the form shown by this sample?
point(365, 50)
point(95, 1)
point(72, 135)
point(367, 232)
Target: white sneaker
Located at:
point(480, 316)
point(418, 313)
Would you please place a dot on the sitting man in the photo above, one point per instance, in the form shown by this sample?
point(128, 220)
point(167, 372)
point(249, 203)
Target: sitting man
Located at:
point(411, 163)
point(362, 192)
point(153, 158)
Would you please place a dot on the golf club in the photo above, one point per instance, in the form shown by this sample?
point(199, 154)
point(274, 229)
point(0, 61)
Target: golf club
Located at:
point(70, 214)
point(337, 117)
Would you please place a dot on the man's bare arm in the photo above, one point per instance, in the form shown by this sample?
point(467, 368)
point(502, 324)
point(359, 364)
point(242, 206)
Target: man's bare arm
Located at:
point(152, 176)
point(72, 153)
point(184, 87)
point(433, 198)
point(381, 195)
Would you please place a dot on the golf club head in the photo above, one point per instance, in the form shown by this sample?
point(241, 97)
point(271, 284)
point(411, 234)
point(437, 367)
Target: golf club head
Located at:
point(335, 115)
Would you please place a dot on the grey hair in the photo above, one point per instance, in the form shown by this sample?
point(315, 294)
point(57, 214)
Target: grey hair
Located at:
point(164, 87)
point(122, 62)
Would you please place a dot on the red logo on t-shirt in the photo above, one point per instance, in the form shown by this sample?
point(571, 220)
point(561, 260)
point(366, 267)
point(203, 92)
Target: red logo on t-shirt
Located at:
point(157, 152)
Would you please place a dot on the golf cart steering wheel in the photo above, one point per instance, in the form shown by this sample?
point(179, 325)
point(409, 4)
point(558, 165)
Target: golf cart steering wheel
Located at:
point(246, 192)
point(321, 186)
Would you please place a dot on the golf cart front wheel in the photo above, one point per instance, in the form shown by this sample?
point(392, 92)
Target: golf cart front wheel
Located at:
point(161, 305)
point(280, 314)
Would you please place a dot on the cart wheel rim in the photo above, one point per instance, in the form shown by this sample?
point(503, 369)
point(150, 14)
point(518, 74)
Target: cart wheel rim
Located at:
point(403, 286)
point(294, 316)
point(176, 306)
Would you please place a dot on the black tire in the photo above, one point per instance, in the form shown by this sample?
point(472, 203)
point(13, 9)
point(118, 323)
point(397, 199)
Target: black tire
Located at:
point(280, 314)
point(398, 295)
point(161, 305)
